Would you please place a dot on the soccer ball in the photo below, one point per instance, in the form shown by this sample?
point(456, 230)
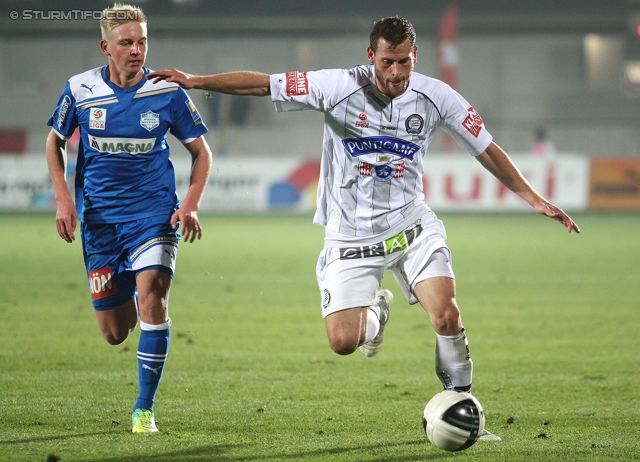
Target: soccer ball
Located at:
point(452, 420)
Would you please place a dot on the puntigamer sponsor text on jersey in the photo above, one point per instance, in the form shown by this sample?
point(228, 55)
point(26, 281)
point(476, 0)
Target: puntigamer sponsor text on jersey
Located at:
point(387, 144)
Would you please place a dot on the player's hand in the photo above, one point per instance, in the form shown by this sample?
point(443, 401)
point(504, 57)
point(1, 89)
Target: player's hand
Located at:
point(557, 214)
point(66, 220)
point(172, 75)
point(191, 229)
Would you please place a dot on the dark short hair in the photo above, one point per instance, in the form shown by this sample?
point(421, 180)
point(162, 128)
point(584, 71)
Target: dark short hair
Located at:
point(394, 30)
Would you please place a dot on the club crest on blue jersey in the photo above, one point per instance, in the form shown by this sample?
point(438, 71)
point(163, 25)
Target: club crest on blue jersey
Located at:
point(414, 124)
point(149, 120)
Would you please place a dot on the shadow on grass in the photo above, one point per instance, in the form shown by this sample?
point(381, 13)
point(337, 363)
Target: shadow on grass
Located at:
point(218, 453)
point(51, 438)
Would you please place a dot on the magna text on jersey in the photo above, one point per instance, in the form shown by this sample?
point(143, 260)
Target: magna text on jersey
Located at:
point(125, 145)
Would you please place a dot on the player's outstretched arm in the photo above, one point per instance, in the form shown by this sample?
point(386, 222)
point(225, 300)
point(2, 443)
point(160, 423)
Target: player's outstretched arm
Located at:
point(496, 161)
point(187, 214)
point(233, 83)
point(66, 214)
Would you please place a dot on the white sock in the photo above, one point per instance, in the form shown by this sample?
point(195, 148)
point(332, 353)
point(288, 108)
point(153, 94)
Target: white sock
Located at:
point(163, 326)
point(453, 362)
point(373, 323)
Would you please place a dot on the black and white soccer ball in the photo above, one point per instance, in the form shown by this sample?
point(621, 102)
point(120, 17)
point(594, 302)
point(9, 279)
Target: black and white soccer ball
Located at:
point(453, 420)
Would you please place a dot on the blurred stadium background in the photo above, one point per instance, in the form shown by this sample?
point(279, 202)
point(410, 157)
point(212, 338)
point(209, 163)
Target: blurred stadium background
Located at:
point(570, 68)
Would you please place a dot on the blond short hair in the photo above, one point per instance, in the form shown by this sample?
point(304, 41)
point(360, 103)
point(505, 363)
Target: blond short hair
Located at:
point(118, 14)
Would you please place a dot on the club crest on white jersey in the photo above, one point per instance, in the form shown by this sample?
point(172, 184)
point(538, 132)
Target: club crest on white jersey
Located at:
point(414, 124)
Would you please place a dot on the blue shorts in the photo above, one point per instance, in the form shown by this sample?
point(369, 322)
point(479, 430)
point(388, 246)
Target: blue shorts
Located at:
point(115, 253)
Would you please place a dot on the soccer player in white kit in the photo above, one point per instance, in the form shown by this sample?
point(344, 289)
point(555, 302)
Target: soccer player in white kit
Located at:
point(379, 121)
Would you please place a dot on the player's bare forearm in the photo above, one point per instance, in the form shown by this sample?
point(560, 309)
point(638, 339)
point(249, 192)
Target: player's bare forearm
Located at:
point(56, 162)
point(243, 83)
point(496, 161)
point(200, 171)
point(188, 212)
point(66, 214)
point(236, 83)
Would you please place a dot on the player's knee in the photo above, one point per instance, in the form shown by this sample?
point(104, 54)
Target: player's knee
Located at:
point(448, 321)
point(115, 338)
point(116, 335)
point(343, 344)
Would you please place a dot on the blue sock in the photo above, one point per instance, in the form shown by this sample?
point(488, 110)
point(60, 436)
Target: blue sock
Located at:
point(153, 349)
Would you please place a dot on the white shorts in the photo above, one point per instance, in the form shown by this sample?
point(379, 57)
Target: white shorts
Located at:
point(349, 277)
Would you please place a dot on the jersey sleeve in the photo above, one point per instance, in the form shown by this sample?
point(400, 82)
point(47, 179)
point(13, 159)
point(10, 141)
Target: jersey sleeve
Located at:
point(64, 119)
point(464, 124)
point(317, 90)
point(187, 124)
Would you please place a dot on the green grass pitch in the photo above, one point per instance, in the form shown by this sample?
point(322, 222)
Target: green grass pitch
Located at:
point(552, 320)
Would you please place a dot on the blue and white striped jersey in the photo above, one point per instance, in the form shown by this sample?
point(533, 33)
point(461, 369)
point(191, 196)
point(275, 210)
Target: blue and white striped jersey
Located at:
point(123, 171)
point(372, 160)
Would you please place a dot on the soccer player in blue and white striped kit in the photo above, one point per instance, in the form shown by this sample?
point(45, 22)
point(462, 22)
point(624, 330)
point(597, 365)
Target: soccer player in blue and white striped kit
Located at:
point(125, 191)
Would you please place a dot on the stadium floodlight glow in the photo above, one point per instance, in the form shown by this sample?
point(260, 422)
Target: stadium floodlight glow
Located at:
point(630, 82)
point(632, 72)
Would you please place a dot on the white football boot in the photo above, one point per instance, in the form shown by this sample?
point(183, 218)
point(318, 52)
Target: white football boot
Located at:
point(486, 435)
point(384, 299)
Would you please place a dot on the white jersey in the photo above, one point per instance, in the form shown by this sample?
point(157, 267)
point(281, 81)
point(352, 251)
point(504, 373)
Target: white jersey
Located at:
point(371, 169)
